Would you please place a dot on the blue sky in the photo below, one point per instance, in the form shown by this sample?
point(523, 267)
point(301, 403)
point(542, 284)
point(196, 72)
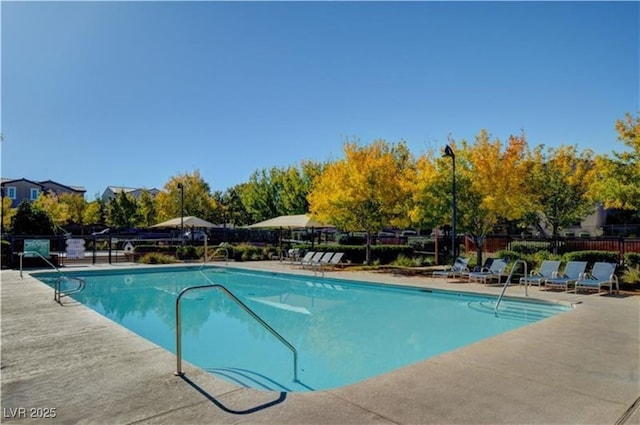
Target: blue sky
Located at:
point(121, 93)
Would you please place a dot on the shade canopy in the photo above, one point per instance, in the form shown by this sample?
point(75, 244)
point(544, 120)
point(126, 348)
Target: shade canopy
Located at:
point(296, 221)
point(189, 221)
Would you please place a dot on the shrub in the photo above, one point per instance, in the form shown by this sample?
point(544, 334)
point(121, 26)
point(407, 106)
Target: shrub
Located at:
point(248, 253)
point(155, 258)
point(187, 252)
point(631, 275)
point(632, 259)
point(592, 256)
point(404, 261)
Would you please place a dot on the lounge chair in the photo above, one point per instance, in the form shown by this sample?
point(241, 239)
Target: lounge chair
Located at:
point(572, 272)
point(317, 258)
point(306, 259)
point(485, 267)
point(455, 271)
point(495, 272)
point(602, 274)
point(548, 269)
point(336, 259)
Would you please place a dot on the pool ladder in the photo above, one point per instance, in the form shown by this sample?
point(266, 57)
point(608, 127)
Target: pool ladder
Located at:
point(57, 292)
point(508, 282)
point(246, 308)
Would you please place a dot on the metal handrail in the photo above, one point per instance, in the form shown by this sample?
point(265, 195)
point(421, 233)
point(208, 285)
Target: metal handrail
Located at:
point(21, 254)
point(226, 256)
point(56, 286)
point(508, 281)
point(57, 292)
point(246, 308)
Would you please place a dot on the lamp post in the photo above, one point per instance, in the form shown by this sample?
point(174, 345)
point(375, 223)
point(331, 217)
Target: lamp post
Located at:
point(181, 187)
point(449, 152)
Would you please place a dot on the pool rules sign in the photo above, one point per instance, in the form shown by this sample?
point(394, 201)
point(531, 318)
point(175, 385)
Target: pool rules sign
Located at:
point(75, 248)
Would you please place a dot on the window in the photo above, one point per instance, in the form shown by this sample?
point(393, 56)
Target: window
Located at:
point(34, 193)
point(11, 192)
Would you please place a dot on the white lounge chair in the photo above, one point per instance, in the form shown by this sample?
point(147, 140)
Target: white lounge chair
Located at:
point(548, 269)
point(335, 259)
point(315, 259)
point(306, 259)
point(572, 272)
point(459, 266)
point(495, 272)
point(602, 274)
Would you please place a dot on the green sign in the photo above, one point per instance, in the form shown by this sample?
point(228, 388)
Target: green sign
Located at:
point(41, 246)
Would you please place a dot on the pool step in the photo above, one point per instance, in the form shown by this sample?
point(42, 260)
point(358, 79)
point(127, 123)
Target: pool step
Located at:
point(250, 379)
point(530, 312)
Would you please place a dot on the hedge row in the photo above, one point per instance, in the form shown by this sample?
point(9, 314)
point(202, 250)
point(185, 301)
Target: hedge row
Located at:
point(535, 260)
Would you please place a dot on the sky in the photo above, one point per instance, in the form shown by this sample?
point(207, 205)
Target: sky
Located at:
point(99, 94)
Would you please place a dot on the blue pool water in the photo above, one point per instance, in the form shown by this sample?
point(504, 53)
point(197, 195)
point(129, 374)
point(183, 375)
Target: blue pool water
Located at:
point(344, 331)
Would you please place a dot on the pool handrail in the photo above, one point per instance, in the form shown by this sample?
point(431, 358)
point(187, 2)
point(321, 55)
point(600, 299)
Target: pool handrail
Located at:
point(57, 297)
point(508, 282)
point(21, 254)
point(205, 258)
point(246, 308)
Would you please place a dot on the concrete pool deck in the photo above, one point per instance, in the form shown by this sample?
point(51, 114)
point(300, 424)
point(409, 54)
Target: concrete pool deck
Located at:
point(581, 367)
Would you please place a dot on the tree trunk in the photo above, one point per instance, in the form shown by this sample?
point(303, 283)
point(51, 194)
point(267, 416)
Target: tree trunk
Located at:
point(479, 242)
point(368, 249)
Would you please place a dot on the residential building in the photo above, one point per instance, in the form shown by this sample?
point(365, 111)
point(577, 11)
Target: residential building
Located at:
point(112, 191)
point(20, 189)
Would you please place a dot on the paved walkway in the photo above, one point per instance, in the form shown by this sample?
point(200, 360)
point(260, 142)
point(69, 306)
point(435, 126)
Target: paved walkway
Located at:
point(581, 367)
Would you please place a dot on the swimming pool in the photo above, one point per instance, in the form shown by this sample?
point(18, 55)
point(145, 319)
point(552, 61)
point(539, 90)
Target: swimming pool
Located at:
point(343, 331)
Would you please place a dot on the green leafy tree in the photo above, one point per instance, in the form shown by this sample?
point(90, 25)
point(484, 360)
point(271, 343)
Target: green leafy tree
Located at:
point(279, 191)
point(233, 208)
point(560, 180)
point(296, 183)
point(122, 211)
point(261, 194)
point(31, 220)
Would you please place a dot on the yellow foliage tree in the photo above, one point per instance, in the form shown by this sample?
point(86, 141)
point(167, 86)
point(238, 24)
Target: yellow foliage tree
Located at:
point(76, 205)
point(92, 213)
point(197, 198)
point(366, 190)
point(618, 181)
point(58, 211)
point(7, 212)
point(490, 186)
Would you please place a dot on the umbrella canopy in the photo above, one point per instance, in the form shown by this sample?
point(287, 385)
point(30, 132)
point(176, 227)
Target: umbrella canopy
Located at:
point(187, 222)
point(296, 221)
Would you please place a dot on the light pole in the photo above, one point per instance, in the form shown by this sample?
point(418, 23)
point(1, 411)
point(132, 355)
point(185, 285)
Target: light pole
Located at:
point(449, 152)
point(181, 187)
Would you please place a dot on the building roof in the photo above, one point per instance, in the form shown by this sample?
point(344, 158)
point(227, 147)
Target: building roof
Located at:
point(5, 180)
